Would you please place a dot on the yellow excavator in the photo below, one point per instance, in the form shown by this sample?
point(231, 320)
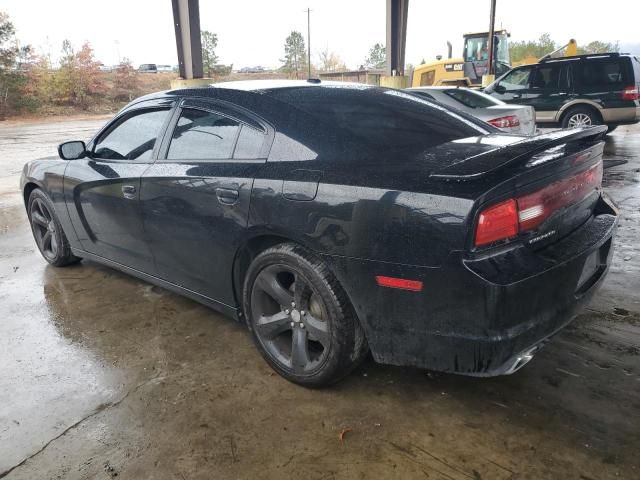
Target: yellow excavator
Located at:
point(468, 70)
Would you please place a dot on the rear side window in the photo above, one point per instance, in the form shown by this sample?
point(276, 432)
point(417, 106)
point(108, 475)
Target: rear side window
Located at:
point(382, 118)
point(547, 77)
point(471, 99)
point(202, 135)
point(605, 72)
point(250, 142)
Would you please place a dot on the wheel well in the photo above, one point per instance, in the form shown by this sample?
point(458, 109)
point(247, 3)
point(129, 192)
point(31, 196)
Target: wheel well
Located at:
point(28, 188)
point(245, 256)
point(581, 105)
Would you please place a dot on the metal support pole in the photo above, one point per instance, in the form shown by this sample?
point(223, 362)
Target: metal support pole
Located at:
point(308, 43)
point(396, 35)
point(186, 20)
point(492, 24)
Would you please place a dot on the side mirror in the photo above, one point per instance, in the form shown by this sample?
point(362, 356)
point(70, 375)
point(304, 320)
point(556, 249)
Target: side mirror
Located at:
point(72, 150)
point(499, 89)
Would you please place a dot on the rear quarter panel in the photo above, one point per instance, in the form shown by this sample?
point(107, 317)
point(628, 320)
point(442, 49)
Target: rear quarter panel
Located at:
point(364, 222)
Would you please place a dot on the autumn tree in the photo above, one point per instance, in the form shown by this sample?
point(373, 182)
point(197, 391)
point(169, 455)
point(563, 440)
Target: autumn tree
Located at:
point(295, 58)
point(209, 57)
point(377, 57)
point(126, 83)
point(90, 82)
point(330, 61)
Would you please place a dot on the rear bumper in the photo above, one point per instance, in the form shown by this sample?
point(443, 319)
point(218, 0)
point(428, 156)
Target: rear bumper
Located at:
point(480, 317)
point(623, 115)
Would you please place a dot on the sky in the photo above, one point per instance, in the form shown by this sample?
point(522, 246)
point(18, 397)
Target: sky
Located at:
point(252, 32)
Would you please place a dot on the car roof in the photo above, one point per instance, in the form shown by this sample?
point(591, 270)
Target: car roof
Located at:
point(258, 85)
point(441, 87)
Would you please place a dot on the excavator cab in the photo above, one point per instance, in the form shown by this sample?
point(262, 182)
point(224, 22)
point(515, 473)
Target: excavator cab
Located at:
point(476, 55)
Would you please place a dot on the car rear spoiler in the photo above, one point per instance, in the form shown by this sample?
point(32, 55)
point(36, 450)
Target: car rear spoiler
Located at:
point(479, 166)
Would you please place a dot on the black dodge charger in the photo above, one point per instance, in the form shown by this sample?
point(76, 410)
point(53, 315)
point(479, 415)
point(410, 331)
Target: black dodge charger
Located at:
point(338, 219)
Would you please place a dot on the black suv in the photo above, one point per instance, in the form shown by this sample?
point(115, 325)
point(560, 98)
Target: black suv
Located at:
point(576, 91)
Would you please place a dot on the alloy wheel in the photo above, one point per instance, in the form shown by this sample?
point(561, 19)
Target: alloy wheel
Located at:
point(579, 120)
point(44, 228)
point(290, 319)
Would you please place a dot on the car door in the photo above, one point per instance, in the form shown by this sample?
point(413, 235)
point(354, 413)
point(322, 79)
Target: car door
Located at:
point(195, 198)
point(514, 86)
point(550, 89)
point(102, 189)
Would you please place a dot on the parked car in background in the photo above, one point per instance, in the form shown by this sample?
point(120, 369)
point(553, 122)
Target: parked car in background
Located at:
point(334, 221)
point(576, 91)
point(257, 69)
point(148, 68)
point(165, 68)
point(510, 118)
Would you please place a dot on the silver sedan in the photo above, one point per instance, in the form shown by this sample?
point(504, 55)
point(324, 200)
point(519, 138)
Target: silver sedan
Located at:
point(510, 118)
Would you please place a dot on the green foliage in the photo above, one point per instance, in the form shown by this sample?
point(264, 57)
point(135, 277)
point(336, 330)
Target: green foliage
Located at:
point(8, 50)
point(377, 57)
point(544, 45)
point(209, 57)
point(531, 48)
point(295, 55)
point(11, 80)
point(598, 47)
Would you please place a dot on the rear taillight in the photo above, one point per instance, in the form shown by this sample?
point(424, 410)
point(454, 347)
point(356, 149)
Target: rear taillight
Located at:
point(505, 122)
point(535, 208)
point(497, 222)
point(508, 218)
point(631, 93)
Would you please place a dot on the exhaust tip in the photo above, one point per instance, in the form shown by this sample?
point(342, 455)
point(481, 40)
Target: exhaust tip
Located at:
point(521, 360)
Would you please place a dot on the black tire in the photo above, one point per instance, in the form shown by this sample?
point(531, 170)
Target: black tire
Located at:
point(47, 231)
point(580, 116)
point(314, 341)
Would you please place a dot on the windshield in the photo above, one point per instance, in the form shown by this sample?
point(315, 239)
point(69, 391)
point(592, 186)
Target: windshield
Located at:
point(385, 118)
point(477, 48)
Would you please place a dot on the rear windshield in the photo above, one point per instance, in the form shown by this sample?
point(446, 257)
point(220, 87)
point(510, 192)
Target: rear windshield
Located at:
point(384, 118)
point(471, 99)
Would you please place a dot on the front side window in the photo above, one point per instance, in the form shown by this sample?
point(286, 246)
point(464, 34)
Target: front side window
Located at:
point(131, 138)
point(516, 80)
point(202, 135)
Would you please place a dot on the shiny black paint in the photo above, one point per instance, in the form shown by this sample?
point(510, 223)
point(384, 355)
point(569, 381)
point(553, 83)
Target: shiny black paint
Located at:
point(365, 211)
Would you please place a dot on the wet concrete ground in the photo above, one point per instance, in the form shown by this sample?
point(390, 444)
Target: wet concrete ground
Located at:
point(105, 376)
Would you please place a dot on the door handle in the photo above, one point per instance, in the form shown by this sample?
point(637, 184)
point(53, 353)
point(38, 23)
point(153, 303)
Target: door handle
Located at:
point(228, 196)
point(517, 95)
point(129, 191)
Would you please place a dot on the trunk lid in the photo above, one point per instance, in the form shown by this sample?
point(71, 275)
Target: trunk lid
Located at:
point(546, 186)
